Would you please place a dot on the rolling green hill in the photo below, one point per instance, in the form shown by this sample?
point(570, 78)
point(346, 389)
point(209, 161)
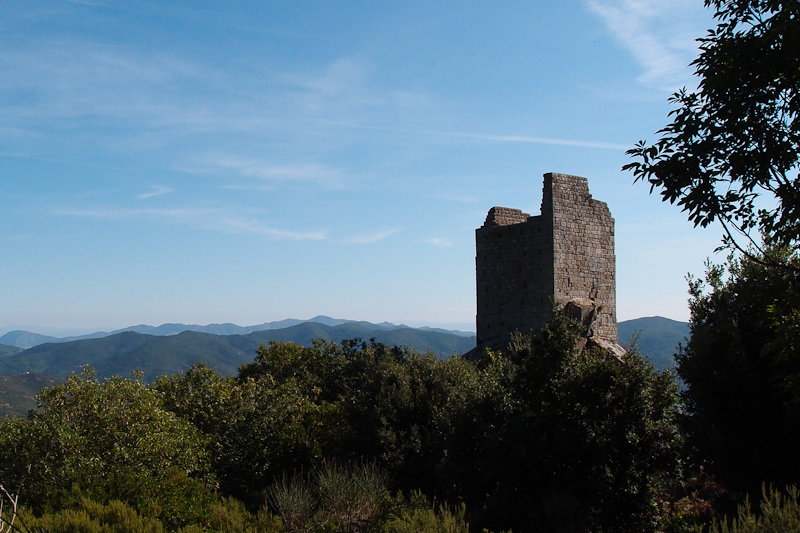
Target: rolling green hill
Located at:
point(9, 350)
point(26, 339)
point(18, 393)
point(658, 337)
point(156, 355)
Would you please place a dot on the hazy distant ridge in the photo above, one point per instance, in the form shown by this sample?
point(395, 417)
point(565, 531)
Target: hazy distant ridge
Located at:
point(121, 353)
point(27, 339)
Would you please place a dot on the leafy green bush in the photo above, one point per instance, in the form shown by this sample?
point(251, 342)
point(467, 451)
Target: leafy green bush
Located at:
point(105, 441)
point(538, 438)
point(430, 421)
point(258, 426)
point(229, 515)
point(588, 441)
point(354, 498)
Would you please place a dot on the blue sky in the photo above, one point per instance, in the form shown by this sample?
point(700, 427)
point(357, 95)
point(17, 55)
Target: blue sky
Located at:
point(250, 161)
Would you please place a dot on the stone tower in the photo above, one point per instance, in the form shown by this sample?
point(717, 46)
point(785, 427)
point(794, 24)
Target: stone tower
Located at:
point(526, 265)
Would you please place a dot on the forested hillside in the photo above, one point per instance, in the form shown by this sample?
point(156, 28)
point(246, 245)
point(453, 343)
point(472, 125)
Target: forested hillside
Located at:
point(657, 338)
point(9, 350)
point(125, 352)
point(18, 392)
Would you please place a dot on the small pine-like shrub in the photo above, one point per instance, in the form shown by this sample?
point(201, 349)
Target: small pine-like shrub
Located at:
point(779, 513)
point(417, 516)
point(353, 496)
point(92, 517)
point(294, 501)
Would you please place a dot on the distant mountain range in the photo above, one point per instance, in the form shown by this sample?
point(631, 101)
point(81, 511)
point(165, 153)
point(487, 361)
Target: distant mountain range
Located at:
point(26, 339)
point(170, 348)
point(172, 351)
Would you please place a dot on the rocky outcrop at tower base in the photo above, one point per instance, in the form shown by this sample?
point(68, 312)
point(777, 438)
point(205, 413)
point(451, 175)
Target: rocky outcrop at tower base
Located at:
point(584, 311)
point(611, 348)
point(581, 310)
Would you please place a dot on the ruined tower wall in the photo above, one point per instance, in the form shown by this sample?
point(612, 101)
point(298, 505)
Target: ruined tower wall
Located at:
point(525, 265)
point(583, 249)
point(514, 269)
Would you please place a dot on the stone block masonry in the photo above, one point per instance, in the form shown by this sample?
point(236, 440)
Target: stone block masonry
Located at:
point(526, 265)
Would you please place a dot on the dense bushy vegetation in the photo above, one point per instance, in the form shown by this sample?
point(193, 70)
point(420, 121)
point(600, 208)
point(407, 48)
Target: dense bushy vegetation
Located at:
point(741, 367)
point(110, 440)
point(740, 399)
point(536, 439)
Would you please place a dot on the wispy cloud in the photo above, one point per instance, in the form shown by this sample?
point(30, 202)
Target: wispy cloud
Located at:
point(265, 170)
point(207, 218)
point(131, 98)
point(371, 238)
point(436, 241)
point(660, 35)
point(68, 82)
point(256, 227)
point(528, 139)
point(541, 140)
point(341, 77)
point(155, 191)
point(124, 212)
point(346, 87)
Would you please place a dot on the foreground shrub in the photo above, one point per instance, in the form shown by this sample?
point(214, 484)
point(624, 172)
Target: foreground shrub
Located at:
point(589, 442)
point(92, 517)
point(420, 516)
point(741, 369)
point(229, 515)
point(352, 498)
point(544, 438)
point(103, 441)
point(778, 513)
point(261, 425)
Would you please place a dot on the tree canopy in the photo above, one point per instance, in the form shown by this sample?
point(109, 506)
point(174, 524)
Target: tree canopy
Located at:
point(109, 439)
point(732, 150)
point(742, 373)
